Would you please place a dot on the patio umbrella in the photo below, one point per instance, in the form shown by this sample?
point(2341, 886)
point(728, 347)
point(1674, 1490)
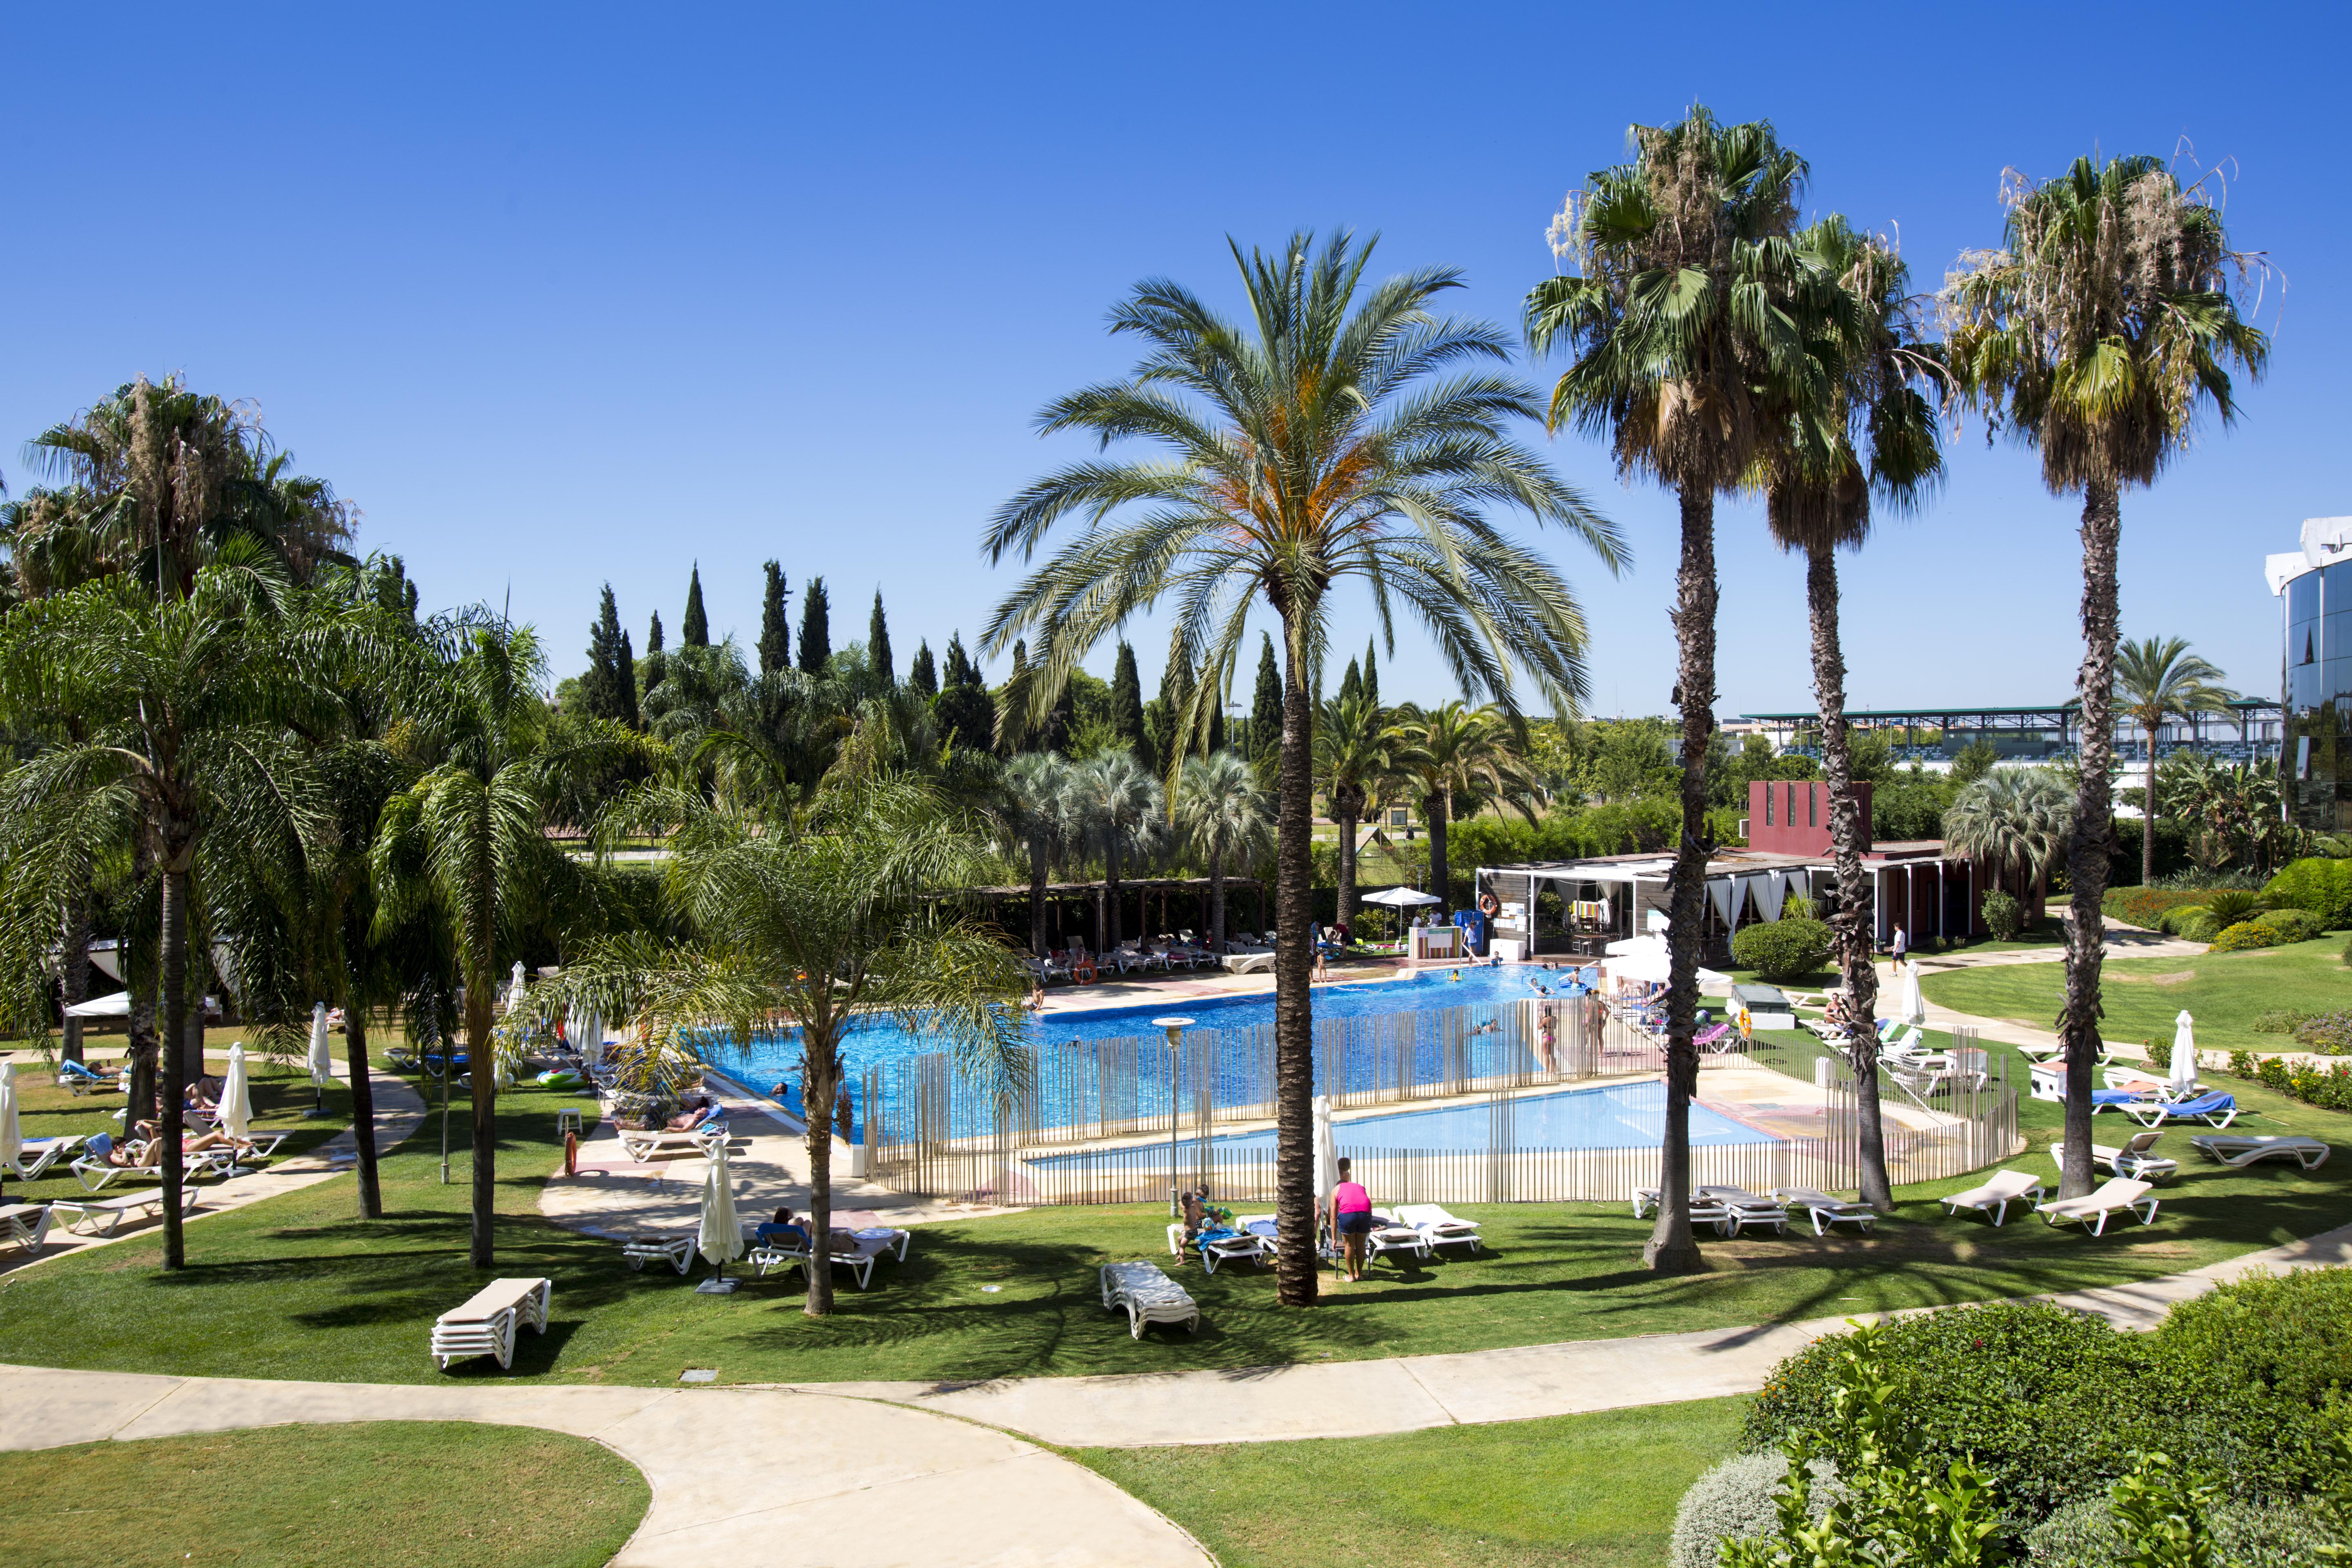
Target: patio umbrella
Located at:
point(1401, 898)
point(322, 1064)
point(2184, 1052)
point(1914, 1006)
point(236, 1099)
point(720, 1236)
point(1327, 1152)
point(12, 1137)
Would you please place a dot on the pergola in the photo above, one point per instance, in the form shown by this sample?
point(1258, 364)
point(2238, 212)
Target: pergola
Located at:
point(1134, 892)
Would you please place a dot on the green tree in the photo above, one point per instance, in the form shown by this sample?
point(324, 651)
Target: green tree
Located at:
point(1037, 806)
point(1372, 673)
point(2013, 823)
point(1314, 442)
point(2156, 681)
point(1120, 808)
point(1458, 757)
point(1351, 685)
point(2094, 336)
point(923, 675)
point(1265, 705)
point(1974, 761)
point(609, 688)
point(964, 712)
point(656, 669)
point(878, 647)
point(1683, 312)
point(1354, 770)
point(1168, 751)
point(1127, 707)
point(775, 621)
point(694, 631)
point(816, 632)
point(1222, 814)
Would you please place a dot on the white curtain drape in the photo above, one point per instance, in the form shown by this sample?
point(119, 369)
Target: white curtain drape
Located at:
point(1771, 888)
point(1724, 893)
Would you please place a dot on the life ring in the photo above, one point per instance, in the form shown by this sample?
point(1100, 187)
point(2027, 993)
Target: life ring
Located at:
point(1488, 906)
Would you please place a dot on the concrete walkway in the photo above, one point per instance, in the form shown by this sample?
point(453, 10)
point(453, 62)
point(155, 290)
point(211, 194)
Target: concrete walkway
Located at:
point(1362, 1398)
point(759, 1477)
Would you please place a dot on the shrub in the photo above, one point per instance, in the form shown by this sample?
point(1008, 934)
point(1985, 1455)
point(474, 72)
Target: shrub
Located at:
point(1782, 948)
point(2242, 936)
point(2141, 906)
point(2347, 950)
point(2322, 887)
point(2231, 905)
point(2259, 1364)
point(2195, 924)
point(2291, 925)
point(2003, 914)
point(1797, 907)
point(1735, 1501)
point(2330, 1033)
point(2285, 1535)
point(2280, 1021)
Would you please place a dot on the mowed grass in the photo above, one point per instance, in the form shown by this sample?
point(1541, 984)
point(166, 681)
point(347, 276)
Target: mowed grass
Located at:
point(2224, 992)
point(1596, 1490)
point(299, 1287)
point(379, 1494)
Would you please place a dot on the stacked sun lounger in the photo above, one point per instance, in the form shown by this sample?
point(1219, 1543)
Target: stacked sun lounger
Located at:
point(2133, 1159)
point(487, 1323)
point(104, 1217)
point(24, 1224)
point(2240, 1149)
point(1145, 1293)
point(677, 1251)
point(1730, 1210)
point(1825, 1211)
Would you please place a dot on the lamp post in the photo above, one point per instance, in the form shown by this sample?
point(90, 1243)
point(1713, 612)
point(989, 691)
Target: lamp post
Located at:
point(1175, 1027)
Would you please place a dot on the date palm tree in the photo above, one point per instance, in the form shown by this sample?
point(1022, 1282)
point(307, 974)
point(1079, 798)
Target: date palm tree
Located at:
point(1683, 311)
point(1344, 430)
point(1120, 807)
point(2156, 681)
point(2094, 336)
point(2012, 822)
point(1353, 767)
point(1872, 434)
point(1037, 807)
point(1455, 754)
point(1221, 810)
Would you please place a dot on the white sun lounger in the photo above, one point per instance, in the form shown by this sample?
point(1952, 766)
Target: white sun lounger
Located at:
point(1729, 1209)
point(486, 1325)
point(677, 1251)
point(864, 1251)
point(2241, 1149)
point(37, 1155)
point(1702, 1210)
point(1389, 1235)
point(1442, 1228)
point(24, 1224)
point(104, 1217)
point(2003, 1189)
point(2132, 1159)
point(643, 1146)
point(1824, 1210)
point(1145, 1293)
point(2120, 1195)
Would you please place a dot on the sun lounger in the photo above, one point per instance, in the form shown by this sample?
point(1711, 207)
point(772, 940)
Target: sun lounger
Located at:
point(486, 1325)
point(2120, 1195)
point(643, 1146)
point(1232, 1246)
point(1824, 1210)
point(2132, 1159)
point(1388, 1236)
point(24, 1224)
point(1442, 1228)
point(38, 1154)
point(859, 1259)
point(1145, 1293)
point(1742, 1208)
point(677, 1251)
point(2000, 1190)
point(81, 1078)
point(104, 1217)
point(2215, 1109)
point(1249, 963)
point(2240, 1149)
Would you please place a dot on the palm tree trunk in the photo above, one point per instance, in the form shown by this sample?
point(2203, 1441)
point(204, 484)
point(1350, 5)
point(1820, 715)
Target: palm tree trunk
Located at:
point(1038, 895)
point(1217, 901)
point(355, 1053)
point(1852, 923)
point(175, 965)
point(1440, 806)
point(1671, 1249)
point(1110, 880)
point(2148, 816)
point(73, 969)
point(820, 1080)
point(1296, 1273)
point(482, 1065)
point(2092, 836)
point(1345, 809)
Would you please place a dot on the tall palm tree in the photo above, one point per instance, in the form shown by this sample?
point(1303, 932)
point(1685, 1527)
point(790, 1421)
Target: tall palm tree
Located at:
point(2094, 336)
point(1221, 810)
point(1456, 754)
point(1037, 808)
point(1684, 312)
point(1344, 431)
point(816, 923)
point(1871, 432)
point(2156, 681)
point(2013, 823)
point(1119, 805)
point(1353, 768)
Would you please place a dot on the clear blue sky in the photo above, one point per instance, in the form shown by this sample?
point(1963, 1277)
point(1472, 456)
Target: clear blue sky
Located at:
point(573, 294)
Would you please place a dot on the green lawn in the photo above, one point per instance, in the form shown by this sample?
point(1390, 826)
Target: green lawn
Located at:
point(2224, 992)
point(298, 1287)
point(1593, 1491)
point(384, 1494)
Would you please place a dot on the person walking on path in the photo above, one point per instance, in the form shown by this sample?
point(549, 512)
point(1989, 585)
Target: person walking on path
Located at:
point(1351, 1219)
point(1902, 945)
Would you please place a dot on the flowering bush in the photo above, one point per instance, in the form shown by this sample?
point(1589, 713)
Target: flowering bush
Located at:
point(2327, 1032)
point(2329, 1087)
point(2141, 906)
point(2245, 934)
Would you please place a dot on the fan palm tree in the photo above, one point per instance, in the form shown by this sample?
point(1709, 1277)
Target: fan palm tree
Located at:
point(1119, 805)
point(1872, 433)
point(1338, 434)
point(816, 924)
point(1353, 767)
point(1037, 807)
point(2013, 823)
point(2156, 681)
point(1684, 312)
point(1221, 810)
point(1455, 754)
point(2094, 336)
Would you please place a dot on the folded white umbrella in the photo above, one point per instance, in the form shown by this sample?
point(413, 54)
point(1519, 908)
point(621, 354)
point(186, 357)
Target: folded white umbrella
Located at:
point(236, 1100)
point(11, 1136)
point(2184, 1051)
point(1402, 897)
point(322, 1063)
point(720, 1236)
point(1915, 1006)
point(1327, 1151)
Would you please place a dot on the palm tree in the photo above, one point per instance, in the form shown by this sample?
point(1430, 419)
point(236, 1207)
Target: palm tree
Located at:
point(1332, 437)
point(1457, 754)
point(1684, 312)
point(1353, 768)
point(1037, 809)
point(2094, 336)
point(1119, 805)
point(2013, 823)
point(816, 924)
point(1220, 808)
point(2154, 681)
point(1871, 432)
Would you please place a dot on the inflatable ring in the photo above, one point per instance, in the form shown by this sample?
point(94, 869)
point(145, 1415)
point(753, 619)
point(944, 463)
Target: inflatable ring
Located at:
point(1488, 906)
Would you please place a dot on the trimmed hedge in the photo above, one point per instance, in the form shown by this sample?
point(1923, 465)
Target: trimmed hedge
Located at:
point(2244, 935)
point(1782, 948)
point(2141, 906)
point(2322, 887)
point(2291, 925)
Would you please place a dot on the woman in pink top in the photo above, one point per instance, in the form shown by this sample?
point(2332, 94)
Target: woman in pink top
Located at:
point(1351, 1219)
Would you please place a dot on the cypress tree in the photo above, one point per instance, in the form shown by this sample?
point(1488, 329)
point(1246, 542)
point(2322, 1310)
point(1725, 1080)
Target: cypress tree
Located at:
point(1168, 709)
point(964, 708)
point(775, 623)
point(877, 646)
point(627, 682)
point(921, 675)
point(1352, 683)
point(656, 662)
point(816, 631)
point(1372, 674)
point(1265, 702)
point(1127, 705)
point(599, 685)
point(696, 632)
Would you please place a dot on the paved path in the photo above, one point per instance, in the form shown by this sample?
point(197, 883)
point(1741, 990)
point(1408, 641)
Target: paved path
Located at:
point(762, 1479)
point(1355, 1399)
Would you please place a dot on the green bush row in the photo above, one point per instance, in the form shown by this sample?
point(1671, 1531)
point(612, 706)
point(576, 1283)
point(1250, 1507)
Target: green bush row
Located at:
point(2322, 887)
point(2328, 1087)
